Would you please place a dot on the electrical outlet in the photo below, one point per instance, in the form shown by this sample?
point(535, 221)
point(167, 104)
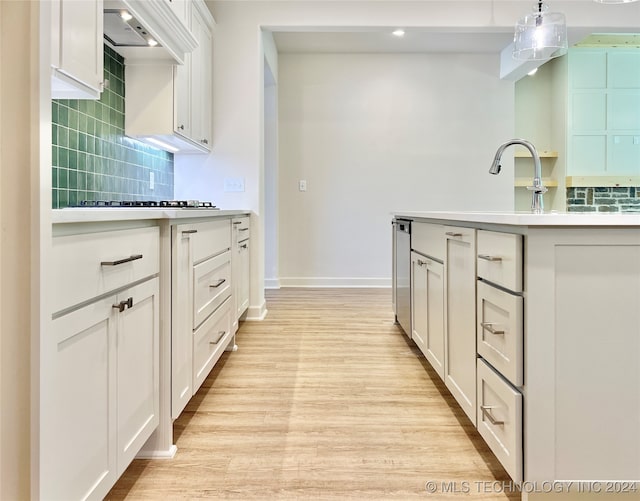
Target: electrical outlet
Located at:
point(302, 185)
point(152, 180)
point(233, 184)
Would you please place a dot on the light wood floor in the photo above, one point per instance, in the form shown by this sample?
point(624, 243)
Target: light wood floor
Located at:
point(325, 399)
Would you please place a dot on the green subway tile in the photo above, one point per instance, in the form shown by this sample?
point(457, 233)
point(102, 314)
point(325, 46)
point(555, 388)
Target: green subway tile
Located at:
point(63, 137)
point(73, 198)
point(63, 157)
point(63, 178)
point(91, 144)
point(54, 177)
point(54, 134)
point(73, 119)
point(90, 182)
point(73, 180)
point(73, 159)
point(73, 104)
point(54, 112)
point(97, 114)
point(98, 147)
point(73, 139)
point(90, 108)
point(54, 155)
point(82, 122)
point(82, 181)
point(63, 198)
point(63, 115)
point(82, 141)
point(54, 198)
point(82, 161)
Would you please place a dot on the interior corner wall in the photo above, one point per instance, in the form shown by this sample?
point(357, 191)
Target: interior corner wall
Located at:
point(374, 133)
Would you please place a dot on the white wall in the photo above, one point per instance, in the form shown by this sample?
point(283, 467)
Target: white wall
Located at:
point(238, 84)
point(373, 133)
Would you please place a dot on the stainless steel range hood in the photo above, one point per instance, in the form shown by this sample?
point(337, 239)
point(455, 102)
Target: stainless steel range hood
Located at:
point(121, 29)
point(143, 31)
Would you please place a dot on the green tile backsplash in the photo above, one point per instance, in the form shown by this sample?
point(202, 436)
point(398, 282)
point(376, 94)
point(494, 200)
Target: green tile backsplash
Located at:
point(92, 159)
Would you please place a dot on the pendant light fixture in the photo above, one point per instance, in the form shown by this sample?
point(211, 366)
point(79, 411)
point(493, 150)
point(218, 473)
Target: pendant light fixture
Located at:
point(540, 35)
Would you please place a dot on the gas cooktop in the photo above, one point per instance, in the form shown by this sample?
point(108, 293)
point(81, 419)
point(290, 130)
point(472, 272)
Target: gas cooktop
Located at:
point(149, 204)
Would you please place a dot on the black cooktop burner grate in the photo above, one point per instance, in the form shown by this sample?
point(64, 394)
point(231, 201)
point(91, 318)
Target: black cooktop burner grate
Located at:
point(172, 204)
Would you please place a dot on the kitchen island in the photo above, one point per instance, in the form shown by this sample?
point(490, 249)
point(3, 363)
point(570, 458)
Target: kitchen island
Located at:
point(547, 362)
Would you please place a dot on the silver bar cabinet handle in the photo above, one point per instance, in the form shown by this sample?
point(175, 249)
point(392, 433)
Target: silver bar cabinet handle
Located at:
point(486, 257)
point(453, 234)
point(488, 326)
point(189, 232)
point(486, 410)
point(121, 261)
point(220, 336)
point(220, 282)
point(237, 222)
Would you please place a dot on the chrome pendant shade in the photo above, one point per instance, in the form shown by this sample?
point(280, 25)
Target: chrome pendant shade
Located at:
point(540, 35)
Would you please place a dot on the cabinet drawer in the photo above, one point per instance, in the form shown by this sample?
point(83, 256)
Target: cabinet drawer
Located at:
point(500, 259)
point(209, 341)
point(211, 286)
point(500, 419)
point(500, 325)
point(88, 265)
point(428, 239)
point(467, 235)
point(241, 228)
point(210, 238)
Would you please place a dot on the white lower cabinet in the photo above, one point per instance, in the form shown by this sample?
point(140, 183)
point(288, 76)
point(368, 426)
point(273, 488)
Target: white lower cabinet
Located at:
point(460, 318)
point(105, 392)
point(100, 363)
point(241, 263)
point(427, 309)
point(201, 290)
point(500, 419)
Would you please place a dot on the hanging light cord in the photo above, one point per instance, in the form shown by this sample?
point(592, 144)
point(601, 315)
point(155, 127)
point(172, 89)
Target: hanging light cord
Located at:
point(539, 16)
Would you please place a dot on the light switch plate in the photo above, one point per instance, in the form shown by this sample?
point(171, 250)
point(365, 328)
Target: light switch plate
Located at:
point(233, 184)
point(302, 185)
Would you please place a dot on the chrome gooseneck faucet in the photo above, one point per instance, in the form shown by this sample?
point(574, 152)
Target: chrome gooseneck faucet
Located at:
point(537, 189)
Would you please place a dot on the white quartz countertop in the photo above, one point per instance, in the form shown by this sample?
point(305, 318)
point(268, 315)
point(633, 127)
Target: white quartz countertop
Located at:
point(80, 215)
point(582, 219)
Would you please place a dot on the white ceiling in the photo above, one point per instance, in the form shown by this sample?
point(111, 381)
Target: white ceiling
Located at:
point(414, 40)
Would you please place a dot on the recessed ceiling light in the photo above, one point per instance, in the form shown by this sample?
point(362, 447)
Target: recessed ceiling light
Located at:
point(399, 32)
point(533, 72)
point(126, 16)
point(152, 42)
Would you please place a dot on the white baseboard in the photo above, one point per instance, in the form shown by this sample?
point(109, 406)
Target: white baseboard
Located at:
point(256, 313)
point(271, 283)
point(337, 282)
point(169, 454)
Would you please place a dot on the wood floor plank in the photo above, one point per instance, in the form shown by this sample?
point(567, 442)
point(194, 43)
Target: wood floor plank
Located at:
point(325, 399)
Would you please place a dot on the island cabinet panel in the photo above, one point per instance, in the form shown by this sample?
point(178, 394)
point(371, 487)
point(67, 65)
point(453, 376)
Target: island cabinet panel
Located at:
point(584, 317)
point(460, 318)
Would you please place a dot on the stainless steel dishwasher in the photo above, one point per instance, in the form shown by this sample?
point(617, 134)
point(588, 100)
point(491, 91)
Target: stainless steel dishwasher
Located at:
point(402, 274)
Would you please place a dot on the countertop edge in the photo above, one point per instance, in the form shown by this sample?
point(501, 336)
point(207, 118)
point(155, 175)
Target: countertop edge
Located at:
point(72, 215)
point(551, 219)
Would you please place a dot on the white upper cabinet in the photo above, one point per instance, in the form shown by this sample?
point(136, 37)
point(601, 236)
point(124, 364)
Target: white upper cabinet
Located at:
point(76, 49)
point(172, 104)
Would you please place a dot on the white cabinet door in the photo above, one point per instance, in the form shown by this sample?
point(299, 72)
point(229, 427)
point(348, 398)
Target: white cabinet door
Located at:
point(419, 301)
point(427, 307)
point(460, 319)
point(434, 342)
point(79, 405)
point(181, 318)
point(138, 387)
point(182, 97)
point(77, 49)
point(201, 83)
